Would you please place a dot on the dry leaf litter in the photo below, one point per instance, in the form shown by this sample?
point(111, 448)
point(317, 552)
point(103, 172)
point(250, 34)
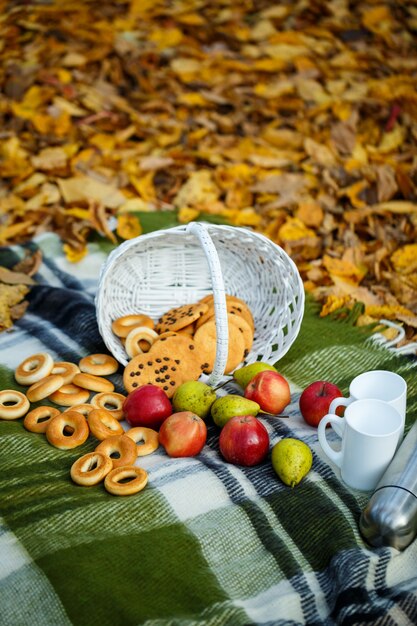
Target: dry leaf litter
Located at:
point(296, 119)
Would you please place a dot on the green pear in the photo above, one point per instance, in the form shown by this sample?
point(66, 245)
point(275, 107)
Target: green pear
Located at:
point(292, 460)
point(194, 396)
point(226, 407)
point(244, 374)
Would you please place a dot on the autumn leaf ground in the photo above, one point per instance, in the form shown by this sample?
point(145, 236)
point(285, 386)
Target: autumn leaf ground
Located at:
point(296, 119)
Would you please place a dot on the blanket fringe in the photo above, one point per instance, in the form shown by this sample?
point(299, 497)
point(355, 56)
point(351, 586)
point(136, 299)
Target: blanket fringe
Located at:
point(410, 348)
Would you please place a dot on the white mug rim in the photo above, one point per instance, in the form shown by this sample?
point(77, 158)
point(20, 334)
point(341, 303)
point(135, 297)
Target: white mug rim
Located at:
point(386, 405)
point(389, 373)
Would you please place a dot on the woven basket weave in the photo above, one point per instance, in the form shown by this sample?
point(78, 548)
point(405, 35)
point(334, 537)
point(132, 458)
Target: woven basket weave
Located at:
point(167, 268)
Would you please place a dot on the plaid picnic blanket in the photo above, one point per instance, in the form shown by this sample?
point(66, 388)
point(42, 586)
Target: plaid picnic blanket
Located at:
point(206, 542)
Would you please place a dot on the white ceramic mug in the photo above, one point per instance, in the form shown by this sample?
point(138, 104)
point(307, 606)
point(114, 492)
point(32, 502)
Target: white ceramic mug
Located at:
point(370, 432)
point(380, 385)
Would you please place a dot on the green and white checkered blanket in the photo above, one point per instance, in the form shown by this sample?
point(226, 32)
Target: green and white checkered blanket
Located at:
point(206, 542)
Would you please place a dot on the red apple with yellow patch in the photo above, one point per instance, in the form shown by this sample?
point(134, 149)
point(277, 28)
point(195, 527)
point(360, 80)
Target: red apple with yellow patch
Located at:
point(183, 434)
point(270, 390)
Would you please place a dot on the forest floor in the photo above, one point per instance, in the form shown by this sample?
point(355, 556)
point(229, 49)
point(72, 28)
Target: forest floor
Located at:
point(296, 119)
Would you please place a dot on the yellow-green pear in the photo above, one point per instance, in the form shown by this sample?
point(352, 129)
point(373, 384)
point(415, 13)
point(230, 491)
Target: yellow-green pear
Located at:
point(244, 374)
point(226, 407)
point(292, 460)
point(194, 396)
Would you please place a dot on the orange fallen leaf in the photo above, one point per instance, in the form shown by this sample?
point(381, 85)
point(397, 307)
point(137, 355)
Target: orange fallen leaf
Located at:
point(128, 226)
point(404, 259)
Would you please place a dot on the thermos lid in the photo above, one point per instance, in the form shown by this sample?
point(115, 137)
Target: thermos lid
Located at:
point(390, 518)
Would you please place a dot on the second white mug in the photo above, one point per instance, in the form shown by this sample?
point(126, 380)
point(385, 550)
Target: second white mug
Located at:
point(380, 385)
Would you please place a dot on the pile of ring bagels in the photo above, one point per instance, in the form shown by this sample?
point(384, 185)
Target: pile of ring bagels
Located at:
point(178, 348)
point(69, 385)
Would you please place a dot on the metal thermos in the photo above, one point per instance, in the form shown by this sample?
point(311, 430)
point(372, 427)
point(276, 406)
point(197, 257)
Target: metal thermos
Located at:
point(390, 517)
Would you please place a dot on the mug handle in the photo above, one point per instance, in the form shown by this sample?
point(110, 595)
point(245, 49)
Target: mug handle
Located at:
point(333, 420)
point(336, 402)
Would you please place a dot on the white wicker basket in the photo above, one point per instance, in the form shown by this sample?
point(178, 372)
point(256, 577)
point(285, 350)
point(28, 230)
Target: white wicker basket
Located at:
point(167, 268)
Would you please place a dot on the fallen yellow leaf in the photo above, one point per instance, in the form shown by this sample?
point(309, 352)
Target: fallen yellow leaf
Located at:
point(404, 259)
point(389, 312)
point(343, 269)
point(187, 214)
point(128, 226)
point(74, 255)
point(294, 229)
point(333, 303)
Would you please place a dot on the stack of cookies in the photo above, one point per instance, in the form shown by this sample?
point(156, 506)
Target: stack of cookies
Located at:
point(182, 344)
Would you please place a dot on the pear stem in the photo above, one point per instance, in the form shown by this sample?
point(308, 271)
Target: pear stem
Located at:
point(223, 384)
point(272, 414)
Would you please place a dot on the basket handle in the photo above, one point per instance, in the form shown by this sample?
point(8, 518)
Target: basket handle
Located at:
point(222, 331)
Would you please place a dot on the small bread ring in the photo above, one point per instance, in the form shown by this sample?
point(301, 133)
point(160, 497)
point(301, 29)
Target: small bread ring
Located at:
point(66, 370)
point(119, 445)
point(44, 388)
point(34, 368)
point(67, 430)
point(111, 401)
point(90, 469)
point(13, 404)
point(137, 335)
point(70, 395)
point(93, 383)
point(84, 409)
point(99, 364)
point(146, 439)
point(138, 480)
point(38, 419)
point(103, 425)
point(123, 325)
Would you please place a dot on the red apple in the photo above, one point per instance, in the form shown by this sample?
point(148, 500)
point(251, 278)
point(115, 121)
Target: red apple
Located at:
point(147, 406)
point(315, 400)
point(244, 440)
point(270, 390)
point(183, 434)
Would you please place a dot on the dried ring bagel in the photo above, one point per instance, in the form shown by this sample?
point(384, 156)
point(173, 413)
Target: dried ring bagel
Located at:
point(70, 395)
point(13, 404)
point(146, 439)
point(84, 409)
point(67, 430)
point(38, 420)
point(123, 325)
point(34, 368)
point(93, 383)
point(111, 401)
point(137, 480)
point(44, 388)
point(99, 364)
point(66, 370)
point(121, 449)
point(103, 425)
point(91, 469)
point(136, 336)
